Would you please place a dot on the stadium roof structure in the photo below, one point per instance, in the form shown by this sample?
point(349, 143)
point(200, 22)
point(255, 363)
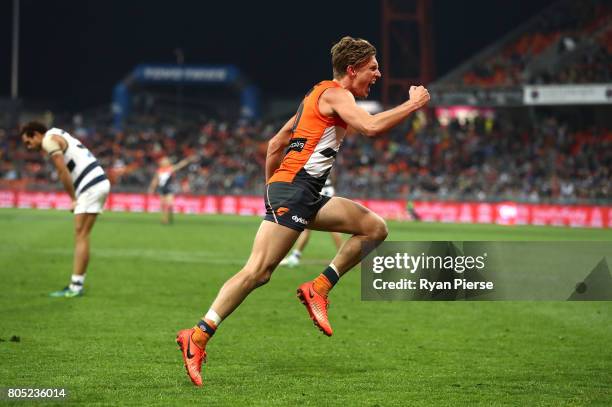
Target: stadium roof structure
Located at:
point(531, 59)
point(184, 75)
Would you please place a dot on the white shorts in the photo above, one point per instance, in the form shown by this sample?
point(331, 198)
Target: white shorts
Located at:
point(93, 200)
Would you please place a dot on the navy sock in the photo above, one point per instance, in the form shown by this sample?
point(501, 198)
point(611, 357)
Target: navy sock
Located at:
point(206, 328)
point(331, 275)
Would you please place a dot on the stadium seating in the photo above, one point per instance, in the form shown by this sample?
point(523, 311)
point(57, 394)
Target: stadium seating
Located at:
point(568, 42)
point(547, 160)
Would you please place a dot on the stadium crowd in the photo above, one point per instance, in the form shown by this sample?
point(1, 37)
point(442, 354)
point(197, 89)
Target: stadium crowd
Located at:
point(577, 34)
point(481, 160)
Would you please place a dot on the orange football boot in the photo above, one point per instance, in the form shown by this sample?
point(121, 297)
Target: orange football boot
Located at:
point(316, 305)
point(193, 356)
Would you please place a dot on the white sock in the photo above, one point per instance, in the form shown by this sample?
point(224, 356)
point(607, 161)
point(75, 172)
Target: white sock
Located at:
point(211, 315)
point(76, 282)
point(296, 253)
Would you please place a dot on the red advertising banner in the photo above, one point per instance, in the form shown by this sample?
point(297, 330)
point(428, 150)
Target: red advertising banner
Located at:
point(187, 204)
point(511, 213)
point(8, 199)
point(501, 213)
point(127, 203)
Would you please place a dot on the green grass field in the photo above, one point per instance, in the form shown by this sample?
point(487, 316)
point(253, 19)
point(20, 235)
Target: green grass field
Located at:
point(115, 345)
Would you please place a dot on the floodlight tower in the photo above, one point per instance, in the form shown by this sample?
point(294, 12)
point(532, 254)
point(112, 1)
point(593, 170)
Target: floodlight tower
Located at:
point(15, 53)
point(407, 54)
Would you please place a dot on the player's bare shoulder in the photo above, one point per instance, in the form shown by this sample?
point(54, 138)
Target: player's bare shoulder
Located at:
point(331, 98)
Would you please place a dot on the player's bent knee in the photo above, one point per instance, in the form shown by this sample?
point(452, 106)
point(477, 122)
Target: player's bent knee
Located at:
point(263, 279)
point(258, 277)
point(379, 230)
point(79, 231)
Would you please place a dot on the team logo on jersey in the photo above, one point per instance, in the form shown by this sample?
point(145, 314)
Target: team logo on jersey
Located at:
point(296, 144)
point(299, 219)
point(281, 211)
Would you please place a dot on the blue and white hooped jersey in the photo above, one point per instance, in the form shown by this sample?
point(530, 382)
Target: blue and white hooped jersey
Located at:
point(83, 166)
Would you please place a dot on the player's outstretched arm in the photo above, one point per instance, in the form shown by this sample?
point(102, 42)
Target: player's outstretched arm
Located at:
point(64, 175)
point(343, 103)
point(276, 146)
point(54, 146)
point(182, 164)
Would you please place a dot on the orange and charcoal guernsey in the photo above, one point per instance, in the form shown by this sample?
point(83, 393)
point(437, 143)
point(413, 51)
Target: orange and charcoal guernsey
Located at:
point(315, 141)
point(165, 176)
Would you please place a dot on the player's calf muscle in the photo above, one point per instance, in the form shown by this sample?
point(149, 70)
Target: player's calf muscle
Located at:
point(257, 276)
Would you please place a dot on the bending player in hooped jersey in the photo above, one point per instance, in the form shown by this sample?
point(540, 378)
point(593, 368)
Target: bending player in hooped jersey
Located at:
point(294, 258)
point(84, 181)
point(298, 162)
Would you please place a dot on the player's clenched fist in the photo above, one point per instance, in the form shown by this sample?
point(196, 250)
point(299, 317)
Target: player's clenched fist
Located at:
point(419, 95)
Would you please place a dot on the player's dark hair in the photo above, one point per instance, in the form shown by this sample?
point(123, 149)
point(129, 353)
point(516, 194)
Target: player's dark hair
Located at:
point(350, 51)
point(30, 128)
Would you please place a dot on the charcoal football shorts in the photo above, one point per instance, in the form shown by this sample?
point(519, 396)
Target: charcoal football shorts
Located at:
point(291, 205)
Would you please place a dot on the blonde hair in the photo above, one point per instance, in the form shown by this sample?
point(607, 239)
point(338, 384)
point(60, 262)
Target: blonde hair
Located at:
point(350, 51)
